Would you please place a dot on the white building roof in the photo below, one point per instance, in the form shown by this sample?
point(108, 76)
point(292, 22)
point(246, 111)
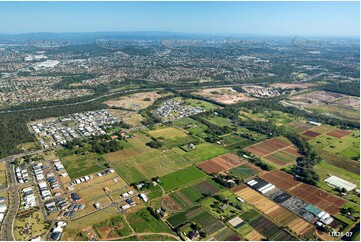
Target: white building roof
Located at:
point(340, 183)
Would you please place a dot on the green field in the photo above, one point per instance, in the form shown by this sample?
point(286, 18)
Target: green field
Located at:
point(142, 221)
point(82, 165)
point(348, 146)
point(142, 162)
point(171, 137)
point(197, 103)
point(202, 152)
point(198, 215)
point(181, 178)
point(193, 194)
point(220, 121)
point(244, 171)
point(192, 126)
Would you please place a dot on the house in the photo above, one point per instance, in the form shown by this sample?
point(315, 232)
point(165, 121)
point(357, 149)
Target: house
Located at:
point(75, 197)
point(97, 205)
point(193, 235)
point(130, 202)
point(144, 197)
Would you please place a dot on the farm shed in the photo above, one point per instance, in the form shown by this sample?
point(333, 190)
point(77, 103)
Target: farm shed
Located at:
point(235, 222)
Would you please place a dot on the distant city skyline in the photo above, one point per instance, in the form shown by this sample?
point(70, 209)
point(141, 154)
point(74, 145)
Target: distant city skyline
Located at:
point(259, 18)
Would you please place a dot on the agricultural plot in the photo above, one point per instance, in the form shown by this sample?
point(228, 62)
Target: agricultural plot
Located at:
point(269, 146)
point(224, 95)
point(192, 126)
point(300, 127)
point(199, 215)
point(245, 171)
point(347, 146)
point(203, 152)
point(265, 227)
point(189, 196)
point(143, 221)
point(142, 162)
point(219, 121)
point(283, 157)
point(171, 137)
point(82, 165)
point(181, 178)
point(325, 201)
point(280, 179)
point(221, 163)
point(309, 134)
point(226, 235)
point(233, 142)
point(274, 211)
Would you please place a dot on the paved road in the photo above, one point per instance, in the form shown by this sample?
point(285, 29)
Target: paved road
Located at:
point(14, 200)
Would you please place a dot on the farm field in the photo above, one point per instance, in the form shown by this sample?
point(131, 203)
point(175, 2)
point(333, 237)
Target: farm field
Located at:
point(265, 227)
point(139, 163)
point(224, 95)
point(221, 163)
point(192, 126)
point(143, 221)
point(268, 146)
point(273, 210)
point(202, 152)
point(171, 137)
point(189, 196)
point(226, 235)
point(345, 143)
point(308, 193)
point(199, 215)
point(233, 141)
point(219, 121)
point(181, 178)
point(82, 165)
point(278, 151)
point(319, 198)
point(245, 171)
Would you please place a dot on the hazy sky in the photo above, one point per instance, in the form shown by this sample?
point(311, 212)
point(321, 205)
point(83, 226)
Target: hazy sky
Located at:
point(268, 18)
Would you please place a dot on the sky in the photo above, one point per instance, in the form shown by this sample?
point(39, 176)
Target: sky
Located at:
point(265, 18)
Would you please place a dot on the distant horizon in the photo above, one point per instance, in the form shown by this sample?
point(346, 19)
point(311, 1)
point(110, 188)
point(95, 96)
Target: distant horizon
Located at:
point(180, 33)
point(247, 18)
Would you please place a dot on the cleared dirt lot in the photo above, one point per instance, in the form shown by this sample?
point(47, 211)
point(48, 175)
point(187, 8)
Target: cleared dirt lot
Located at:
point(224, 95)
point(135, 101)
point(292, 85)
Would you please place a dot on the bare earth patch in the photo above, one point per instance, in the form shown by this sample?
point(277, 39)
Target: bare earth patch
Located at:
point(226, 95)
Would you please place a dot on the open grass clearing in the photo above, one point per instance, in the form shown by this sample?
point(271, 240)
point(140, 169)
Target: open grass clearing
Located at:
point(82, 165)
